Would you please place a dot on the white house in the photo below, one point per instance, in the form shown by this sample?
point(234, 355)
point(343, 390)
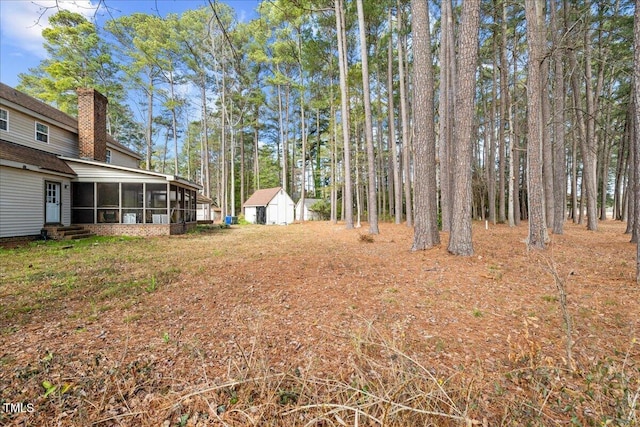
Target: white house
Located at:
point(57, 171)
point(269, 206)
point(309, 215)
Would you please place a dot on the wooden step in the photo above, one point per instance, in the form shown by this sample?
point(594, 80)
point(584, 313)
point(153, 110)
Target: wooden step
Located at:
point(69, 232)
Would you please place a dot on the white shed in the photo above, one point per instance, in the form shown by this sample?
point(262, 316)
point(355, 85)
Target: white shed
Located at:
point(309, 215)
point(206, 209)
point(269, 206)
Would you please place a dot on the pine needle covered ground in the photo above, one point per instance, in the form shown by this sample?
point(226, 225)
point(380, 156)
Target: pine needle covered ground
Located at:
point(312, 325)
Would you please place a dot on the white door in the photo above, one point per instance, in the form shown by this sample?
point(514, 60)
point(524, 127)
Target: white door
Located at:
point(52, 202)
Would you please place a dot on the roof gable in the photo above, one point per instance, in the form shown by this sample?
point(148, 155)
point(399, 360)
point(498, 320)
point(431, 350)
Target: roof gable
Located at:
point(262, 197)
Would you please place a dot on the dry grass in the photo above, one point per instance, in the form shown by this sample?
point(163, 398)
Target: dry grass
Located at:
point(306, 326)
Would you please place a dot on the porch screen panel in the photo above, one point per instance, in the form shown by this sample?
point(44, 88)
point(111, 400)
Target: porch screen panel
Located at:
point(187, 206)
point(192, 206)
point(132, 203)
point(156, 204)
point(108, 196)
point(82, 202)
point(174, 193)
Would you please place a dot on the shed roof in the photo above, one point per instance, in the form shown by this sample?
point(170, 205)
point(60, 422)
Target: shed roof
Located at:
point(30, 156)
point(308, 202)
point(204, 200)
point(262, 197)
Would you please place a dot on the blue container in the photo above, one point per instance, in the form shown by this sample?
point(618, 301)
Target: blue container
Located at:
point(228, 219)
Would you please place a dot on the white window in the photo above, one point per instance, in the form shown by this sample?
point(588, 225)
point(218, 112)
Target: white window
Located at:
point(4, 119)
point(42, 132)
point(108, 158)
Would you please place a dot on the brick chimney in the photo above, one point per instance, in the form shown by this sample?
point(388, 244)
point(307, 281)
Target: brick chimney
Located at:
point(92, 124)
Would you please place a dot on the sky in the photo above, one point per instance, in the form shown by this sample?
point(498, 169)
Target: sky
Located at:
point(22, 22)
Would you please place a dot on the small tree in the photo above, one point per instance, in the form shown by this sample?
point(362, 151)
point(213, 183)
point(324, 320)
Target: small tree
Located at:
point(322, 209)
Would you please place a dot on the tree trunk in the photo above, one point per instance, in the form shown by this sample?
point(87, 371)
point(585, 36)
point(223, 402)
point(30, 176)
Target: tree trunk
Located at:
point(174, 124)
point(504, 119)
point(636, 139)
point(515, 151)
point(589, 142)
point(547, 147)
point(242, 160)
point(256, 152)
point(404, 109)
point(372, 205)
point(347, 194)
point(535, 187)
point(426, 212)
point(491, 127)
point(574, 179)
point(206, 180)
point(395, 165)
point(334, 159)
point(446, 111)
point(149, 135)
point(283, 178)
point(232, 166)
point(357, 177)
point(559, 170)
point(620, 163)
point(223, 149)
point(460, 237)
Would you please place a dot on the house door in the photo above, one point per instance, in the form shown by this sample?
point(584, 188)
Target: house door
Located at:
point(52, 202)
point(261, 215)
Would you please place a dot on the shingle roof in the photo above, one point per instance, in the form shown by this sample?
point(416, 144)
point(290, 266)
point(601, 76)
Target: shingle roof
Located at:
point(262, 197)
point(31, 156)
point(39, 107)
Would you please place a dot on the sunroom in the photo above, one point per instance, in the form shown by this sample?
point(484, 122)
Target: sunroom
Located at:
point(113, 200)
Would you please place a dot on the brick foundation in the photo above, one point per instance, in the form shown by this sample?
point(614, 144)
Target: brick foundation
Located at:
point(140, 230)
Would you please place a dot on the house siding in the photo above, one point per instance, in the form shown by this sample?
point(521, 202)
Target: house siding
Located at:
point(22, 131)
point(22, 201)
point(250, 214)
point(120, 159)
point(280, 210)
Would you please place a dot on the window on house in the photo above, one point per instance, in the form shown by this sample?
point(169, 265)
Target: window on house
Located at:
point(42, 132)
point(4, 119)
point(108, 159)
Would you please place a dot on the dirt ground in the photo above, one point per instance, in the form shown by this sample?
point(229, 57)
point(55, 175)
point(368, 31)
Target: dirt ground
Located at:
point(193, 330)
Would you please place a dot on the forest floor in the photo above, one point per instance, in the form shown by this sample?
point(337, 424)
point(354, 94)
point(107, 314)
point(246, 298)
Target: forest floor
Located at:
point(312, 324)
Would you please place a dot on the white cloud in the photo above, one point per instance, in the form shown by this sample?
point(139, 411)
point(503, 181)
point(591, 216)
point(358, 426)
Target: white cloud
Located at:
point(22, 21)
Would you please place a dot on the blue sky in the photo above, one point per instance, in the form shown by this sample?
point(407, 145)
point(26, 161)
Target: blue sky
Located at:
point(22, 21)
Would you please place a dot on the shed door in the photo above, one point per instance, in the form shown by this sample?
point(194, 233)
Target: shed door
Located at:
point(52, 202)
point(261, 215)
